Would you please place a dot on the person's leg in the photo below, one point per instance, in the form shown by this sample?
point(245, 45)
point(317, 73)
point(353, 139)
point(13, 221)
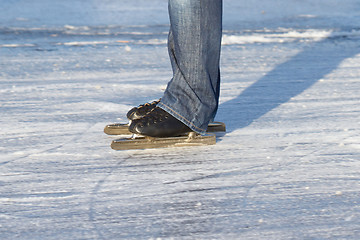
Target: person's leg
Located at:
point(191, 99)
point(194, 48)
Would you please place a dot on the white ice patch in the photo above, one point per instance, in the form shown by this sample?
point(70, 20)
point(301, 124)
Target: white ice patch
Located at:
point(285, 35)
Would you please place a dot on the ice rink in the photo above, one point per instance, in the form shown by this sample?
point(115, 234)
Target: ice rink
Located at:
point(287, 168)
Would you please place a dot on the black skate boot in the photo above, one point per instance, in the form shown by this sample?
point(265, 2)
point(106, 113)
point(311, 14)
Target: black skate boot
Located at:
point(141, 110)
point(158, 123)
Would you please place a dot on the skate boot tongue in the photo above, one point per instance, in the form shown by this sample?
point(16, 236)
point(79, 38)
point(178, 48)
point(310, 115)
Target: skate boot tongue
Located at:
point(158, 123)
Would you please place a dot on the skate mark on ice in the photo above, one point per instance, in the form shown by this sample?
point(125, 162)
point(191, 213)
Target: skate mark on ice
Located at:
point(286, 81)
point(93, 196)
point(50, 149)
point(216, 175)
point(276, 167)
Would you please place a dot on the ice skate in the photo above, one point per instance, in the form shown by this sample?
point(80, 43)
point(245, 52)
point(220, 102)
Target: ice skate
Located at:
point(143, 109)
point(158, 123)
point(159, 129)
point(123, 128)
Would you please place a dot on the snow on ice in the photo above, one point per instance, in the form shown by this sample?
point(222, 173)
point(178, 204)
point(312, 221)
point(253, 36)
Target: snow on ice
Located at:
point(287, 168)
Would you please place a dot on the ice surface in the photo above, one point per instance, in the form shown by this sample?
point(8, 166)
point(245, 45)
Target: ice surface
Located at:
point(288, 167)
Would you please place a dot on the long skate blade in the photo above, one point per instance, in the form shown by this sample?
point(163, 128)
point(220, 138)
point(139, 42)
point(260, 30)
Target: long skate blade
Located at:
point(145, 142)
point(117, 129)
point(216, 127)
point(123, 129)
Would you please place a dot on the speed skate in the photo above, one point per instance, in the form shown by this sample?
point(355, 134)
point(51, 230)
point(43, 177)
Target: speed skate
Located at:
point(123, 128)
point(145, 142)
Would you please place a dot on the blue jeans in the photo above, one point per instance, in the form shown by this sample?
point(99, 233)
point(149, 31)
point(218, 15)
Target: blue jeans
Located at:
point(194, 43)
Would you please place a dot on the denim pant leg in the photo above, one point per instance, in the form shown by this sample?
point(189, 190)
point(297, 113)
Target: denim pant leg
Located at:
point(194, 45)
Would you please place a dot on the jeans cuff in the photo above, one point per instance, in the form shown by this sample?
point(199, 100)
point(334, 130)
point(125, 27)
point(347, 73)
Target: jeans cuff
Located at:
point(181, 118)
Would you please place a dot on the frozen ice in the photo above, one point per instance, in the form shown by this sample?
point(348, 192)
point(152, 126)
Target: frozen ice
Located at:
point(288, 167)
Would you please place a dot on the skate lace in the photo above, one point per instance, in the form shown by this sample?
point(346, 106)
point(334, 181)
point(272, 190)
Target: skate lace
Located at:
point(156, 115)
point(143, 108)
